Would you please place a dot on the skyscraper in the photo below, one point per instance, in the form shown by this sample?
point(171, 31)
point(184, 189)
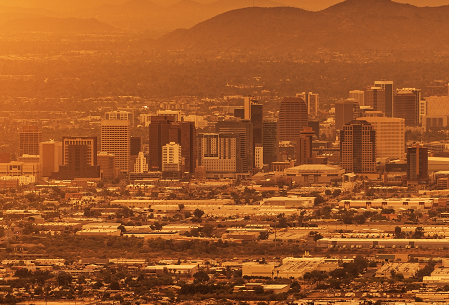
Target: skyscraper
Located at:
point(375, 98)
point(312, 100)
point(293, 118)
point(344, 113)
point(245, 130)
point(358, 147)
point(304, 146)
point(106, 162)
point(141, 165)
point(163, 130)
point(115, 139)
point(390, 136)
point(29, 138)
point(406, 105)
point(120, 115)
point(417, 165)
point(50, 157)
point(171, 159)
point(358, 95)
point(270, 141)
point(79, 158)
point(219, 154)
point(387, 86)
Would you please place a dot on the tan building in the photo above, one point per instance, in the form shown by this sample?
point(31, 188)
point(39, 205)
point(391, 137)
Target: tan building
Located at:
point(50, 157)
point(116, 139)
point(106, 161)
point(390, 136)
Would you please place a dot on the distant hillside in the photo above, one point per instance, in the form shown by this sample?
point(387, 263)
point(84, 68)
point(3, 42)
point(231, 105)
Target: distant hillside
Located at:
point(56, 25)
point(353, 25)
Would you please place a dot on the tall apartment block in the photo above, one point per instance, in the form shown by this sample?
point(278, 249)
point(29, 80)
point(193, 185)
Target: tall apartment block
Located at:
point(293, 117)
point(29, 138)
point(115, 139)
point(406, 105)
point(390, 136)
point(303, 149)
point(358, 147)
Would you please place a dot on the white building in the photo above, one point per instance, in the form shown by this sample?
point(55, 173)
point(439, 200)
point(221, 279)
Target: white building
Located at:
point(258, 157)
point(171, 157)
point(141, 165)
point(390, 136)
point(115, 139)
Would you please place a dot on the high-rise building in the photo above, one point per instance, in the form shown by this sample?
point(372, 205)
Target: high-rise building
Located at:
point(141, 165)
point(406, 105)
point(358, 95)
point(29, 138)
point(293, 118)
point(247, 102)
point(303, 149)
point(387, 86)
point(270, 141)
point(106, 162)
point(344, 113)
point(135, 146)
point(79, 159)
point(219, 154)
point(258, 157)
point(50, 157)
point(245, 130)
point(417, 165)
point(358, 147)
point(115, 139)
point(175, 113)
point(163, 130)
point(171, 157)
point(312, 100)
point(390, 136)
point(257, 121)
point(315, 125)
point(375, 98)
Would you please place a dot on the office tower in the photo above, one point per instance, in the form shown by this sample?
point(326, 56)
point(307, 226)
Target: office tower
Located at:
point(79, 159)
point(303, 149)
point(106, 162)
point(135, 145)
point(171, 158)
point(387, 86)
point(375, 98)
point(406, 105)
point(29, 138)
point(344, 113)
point(115, 139)
point(120, 115)
point(292, 118)
point(270, 141)
point(245, 130)
point(312, 100)
point(163, 130)
point(257, 121)
point(390, 136)
point(417, 164)
point(358, 147)
point(50, 157)
point(141, 165)
point(358, 95)
point(219, 154)
point(247, 107)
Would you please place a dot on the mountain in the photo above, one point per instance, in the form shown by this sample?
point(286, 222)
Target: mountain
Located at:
point(353, 25)
point(55, 25)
